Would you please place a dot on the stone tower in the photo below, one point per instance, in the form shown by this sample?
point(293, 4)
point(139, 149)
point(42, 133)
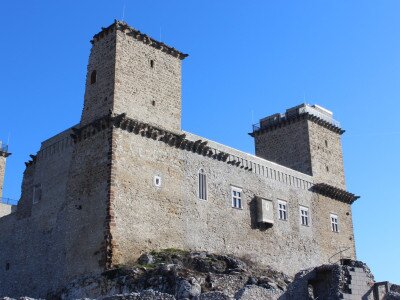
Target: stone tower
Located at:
point(305, 138)
point(3, 156)
point(127, 73)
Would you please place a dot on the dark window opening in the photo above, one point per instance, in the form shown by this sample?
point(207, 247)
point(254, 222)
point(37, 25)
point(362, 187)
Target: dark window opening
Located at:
point(153, 103)
point(152, 63)
point(93, 77)
point(326, 143)
point(327, 168)
point(7, 266)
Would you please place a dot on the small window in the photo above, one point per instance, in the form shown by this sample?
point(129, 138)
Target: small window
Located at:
point(7, 266)
point(327, 168)
point(151, 63)
point(37, 193)
point(93, 77)
point(304, 216)
point(334, 223)
point(326, 143)
point(282, 210)
point(202, 185)
point(236, 197)
point(157, 181)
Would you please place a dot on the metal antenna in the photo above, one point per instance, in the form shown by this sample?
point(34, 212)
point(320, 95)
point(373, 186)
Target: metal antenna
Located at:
point(123, 11)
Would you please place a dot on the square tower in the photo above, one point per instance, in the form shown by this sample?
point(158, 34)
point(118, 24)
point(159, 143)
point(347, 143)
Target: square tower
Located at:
point(129, 72)
point(305, 138)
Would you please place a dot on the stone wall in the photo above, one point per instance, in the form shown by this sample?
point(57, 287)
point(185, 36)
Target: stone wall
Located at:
point(147, 83)
point(305, 146)
point(48, 243)
point(149, 217)
point(2, 172)
point(5, 209)
point(287, 145)
point(326, 155)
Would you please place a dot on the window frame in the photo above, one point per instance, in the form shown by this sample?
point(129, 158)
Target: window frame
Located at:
point(305, 219)
point(334, 218)
point(202, 187)
point(37, 193)
point(284, 210)
point(159, 184)
point(236, 197)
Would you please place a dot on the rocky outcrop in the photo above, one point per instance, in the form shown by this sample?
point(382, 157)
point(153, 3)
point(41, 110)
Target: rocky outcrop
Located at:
point(175, 274)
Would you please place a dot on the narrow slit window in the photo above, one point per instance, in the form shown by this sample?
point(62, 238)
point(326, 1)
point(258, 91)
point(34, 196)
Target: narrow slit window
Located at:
point(93, 77)
point(151, 63)
point(202, 185)
point(37, 193)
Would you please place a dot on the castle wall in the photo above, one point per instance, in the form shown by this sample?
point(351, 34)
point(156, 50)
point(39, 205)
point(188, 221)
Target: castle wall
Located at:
point(286, 145)
point(48, 243)
point(99, 96)
point(147, 83)
point(148, 217)
point(326, 155)
point(2, 172)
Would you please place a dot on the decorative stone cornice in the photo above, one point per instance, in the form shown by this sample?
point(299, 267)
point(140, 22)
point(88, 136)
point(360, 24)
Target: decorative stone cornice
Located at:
point(334, 192)
point(293, 119)
point(4, 153)
point(152, 132)
point(32, 161)
point(136, 34)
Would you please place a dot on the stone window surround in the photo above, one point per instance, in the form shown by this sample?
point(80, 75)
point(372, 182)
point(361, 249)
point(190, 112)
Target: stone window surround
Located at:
point(282, 210)
point(334, 222)
point(236, 197)
point(157, 181)
point(304, 215)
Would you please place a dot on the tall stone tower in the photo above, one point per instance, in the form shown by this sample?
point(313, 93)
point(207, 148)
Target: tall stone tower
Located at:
point(3, 156)
point(305, 138)
point(127, 73)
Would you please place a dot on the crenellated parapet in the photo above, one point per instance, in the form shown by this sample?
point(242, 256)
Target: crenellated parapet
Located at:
point(136, 34)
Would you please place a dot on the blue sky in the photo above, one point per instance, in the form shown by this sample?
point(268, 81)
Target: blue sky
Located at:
point(248, 59)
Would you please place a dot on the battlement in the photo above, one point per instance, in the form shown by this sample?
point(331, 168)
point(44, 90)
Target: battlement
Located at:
point(314, 113)
point(136, 34)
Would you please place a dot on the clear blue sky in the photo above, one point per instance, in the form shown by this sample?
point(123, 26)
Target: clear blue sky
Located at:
point(247, 59)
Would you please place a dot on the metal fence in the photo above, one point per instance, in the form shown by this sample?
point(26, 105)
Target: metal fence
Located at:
point(8, 201)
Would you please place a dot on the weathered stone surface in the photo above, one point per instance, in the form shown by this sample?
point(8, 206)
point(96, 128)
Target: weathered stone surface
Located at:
point(254, 292)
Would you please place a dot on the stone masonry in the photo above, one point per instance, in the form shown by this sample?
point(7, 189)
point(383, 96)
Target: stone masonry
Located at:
point(125, 180)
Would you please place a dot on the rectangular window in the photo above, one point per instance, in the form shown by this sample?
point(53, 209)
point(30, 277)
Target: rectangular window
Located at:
point(282, 210)
point(304, 216)
point(236, 197)
point(37, 193)
point(334, 223)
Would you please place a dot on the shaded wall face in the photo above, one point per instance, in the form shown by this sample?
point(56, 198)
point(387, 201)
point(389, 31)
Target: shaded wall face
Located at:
point(147, 83)
point(2, 173)
point(48, 243)
point(287, 145)
point(148, 217)
point(99, 95)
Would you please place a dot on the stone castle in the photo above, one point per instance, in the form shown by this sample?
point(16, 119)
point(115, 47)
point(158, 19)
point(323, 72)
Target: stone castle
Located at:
point(127, 179)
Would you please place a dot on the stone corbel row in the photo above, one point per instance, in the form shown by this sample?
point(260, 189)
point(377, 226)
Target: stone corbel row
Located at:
point(294, 119)
point(5, 154)
point(172, 139)
point(334, 192)
point(32, 161)
point(136, 34)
